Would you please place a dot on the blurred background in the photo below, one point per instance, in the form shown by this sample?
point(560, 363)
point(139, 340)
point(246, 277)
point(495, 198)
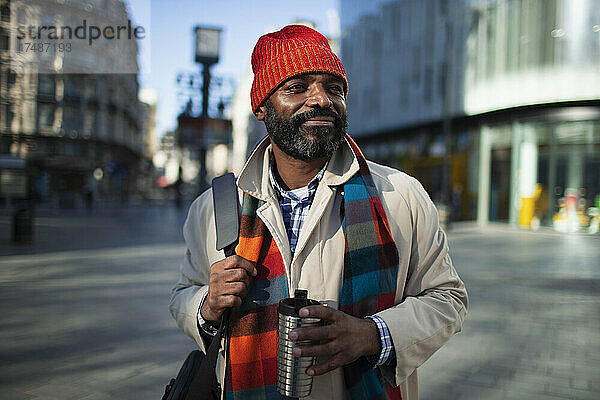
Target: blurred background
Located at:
point(115, 115)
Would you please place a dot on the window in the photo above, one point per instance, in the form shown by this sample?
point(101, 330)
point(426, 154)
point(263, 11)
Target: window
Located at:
point(513, 33)
point(11, 78)
point(416, 72)
point(22, 16)
point(443, 71)
point(72, 86)
point(10, 115)
point(41, 147)
point(89, 120)
point(4, 40)
point(428, 84)
point(404, 91)
point(5, 13)
point(71, 118)
point(547, 24)
point(45, 115)
point(90, 88)
point(46, 84)
point(490, 67)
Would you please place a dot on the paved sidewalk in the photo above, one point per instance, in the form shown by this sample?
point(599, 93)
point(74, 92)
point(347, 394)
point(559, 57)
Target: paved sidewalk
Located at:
point(106, 225)
point(533, 328)
point(84, 312)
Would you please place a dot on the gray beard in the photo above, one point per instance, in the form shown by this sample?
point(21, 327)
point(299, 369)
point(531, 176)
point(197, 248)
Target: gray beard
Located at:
point(301, 142)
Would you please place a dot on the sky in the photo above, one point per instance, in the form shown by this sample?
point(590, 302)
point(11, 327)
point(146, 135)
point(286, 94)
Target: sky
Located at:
point(168, 47)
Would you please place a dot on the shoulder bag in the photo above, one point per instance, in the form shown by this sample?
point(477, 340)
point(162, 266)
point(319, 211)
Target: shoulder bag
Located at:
point(197, 378)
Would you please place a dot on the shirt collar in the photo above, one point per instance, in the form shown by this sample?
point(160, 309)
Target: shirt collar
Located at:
point(296, 194)
point(254, 177)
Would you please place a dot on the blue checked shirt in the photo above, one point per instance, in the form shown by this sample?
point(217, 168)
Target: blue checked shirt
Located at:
point(294, 206)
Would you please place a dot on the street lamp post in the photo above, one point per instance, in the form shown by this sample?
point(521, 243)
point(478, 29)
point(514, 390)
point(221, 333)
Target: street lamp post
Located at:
point(207, 54)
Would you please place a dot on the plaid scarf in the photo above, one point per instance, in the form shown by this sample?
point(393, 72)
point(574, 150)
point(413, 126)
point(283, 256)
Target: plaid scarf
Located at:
point(369, 286)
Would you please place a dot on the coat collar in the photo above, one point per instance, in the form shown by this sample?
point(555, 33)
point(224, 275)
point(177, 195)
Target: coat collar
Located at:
point(254, 178)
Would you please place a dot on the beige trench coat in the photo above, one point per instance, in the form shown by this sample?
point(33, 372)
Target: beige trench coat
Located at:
point(431, 300)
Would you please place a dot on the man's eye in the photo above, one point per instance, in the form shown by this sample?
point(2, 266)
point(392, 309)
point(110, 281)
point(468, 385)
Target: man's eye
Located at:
point(336, 89)
point(296, 86)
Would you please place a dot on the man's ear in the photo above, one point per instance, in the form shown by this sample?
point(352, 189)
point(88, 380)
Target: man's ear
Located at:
point(260, 113)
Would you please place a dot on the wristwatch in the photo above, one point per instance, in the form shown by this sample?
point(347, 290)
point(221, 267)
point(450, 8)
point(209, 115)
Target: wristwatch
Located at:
point(204, 324)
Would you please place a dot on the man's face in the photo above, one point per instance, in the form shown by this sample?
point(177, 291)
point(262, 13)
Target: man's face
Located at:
point(306, 116)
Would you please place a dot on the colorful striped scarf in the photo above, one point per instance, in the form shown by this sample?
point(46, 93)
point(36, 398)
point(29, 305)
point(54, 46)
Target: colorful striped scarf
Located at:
point(369, 286)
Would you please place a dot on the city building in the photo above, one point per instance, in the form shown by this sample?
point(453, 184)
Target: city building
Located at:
point(510, 87)
point(167, 159)
point(148, 102)
point(247, 130)
point(146, 181)
point(61, 113)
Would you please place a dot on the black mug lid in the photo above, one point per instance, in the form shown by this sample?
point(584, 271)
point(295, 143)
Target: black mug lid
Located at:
point(292, 305)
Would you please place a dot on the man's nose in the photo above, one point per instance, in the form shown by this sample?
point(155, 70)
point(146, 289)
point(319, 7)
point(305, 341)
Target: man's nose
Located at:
point(318, 97)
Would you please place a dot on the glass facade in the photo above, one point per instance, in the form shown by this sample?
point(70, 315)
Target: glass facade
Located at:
point(541, 173)
point(496, 102)
point(531, 52)
point(397, 65)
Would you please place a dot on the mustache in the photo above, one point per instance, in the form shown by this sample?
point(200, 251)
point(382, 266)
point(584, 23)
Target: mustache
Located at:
point(299, 119)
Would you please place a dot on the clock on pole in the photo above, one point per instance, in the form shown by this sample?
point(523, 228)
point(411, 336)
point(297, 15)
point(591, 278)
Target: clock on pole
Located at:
point(207, 44)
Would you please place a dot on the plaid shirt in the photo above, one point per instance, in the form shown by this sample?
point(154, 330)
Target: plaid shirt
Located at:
point(294, 206)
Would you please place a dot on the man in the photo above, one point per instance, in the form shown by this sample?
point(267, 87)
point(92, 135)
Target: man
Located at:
point(362, 238)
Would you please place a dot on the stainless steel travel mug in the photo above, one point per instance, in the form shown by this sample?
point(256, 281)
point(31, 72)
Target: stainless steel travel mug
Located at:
point(292, 380)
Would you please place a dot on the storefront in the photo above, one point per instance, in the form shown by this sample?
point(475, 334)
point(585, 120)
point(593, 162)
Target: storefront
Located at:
point(541, 171)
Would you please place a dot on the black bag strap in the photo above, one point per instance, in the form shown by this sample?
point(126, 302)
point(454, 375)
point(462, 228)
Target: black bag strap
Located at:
point(227, 221)
point(206, 376)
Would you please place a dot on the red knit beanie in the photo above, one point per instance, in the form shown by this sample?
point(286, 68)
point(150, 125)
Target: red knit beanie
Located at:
point(294, 50)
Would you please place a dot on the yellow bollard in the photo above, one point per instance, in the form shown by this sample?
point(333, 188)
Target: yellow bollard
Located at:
point(526, 212)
